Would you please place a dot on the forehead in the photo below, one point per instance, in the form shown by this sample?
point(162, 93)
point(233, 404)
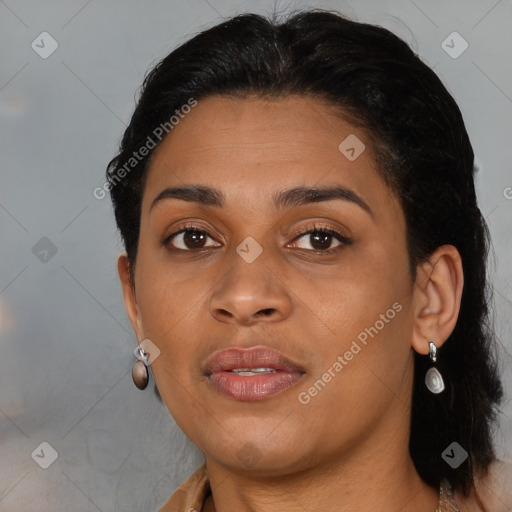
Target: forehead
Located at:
point(252, 147)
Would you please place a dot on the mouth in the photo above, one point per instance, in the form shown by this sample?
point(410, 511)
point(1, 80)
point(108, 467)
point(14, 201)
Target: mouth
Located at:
point(251, 374)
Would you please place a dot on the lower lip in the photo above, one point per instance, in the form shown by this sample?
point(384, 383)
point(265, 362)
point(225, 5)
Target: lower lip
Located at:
point(255, 387)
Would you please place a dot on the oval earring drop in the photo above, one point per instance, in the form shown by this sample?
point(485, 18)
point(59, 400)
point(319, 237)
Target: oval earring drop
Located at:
point(140, 372)
point(433, 378)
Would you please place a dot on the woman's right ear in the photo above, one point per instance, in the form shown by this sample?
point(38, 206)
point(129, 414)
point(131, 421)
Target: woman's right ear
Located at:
point(130, 301)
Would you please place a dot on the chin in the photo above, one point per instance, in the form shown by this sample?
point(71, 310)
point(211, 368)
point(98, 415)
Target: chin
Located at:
point(262, 459)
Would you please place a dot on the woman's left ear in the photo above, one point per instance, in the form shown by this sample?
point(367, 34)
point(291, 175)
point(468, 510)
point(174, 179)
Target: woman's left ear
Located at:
point(436, 298)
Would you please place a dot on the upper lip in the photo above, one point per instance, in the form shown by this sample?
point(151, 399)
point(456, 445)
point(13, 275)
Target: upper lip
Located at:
point(254, 357)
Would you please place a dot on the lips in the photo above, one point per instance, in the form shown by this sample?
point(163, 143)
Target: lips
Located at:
point(254, 357)
point(251, 374)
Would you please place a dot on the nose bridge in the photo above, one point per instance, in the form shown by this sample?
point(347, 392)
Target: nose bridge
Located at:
point(249, 288)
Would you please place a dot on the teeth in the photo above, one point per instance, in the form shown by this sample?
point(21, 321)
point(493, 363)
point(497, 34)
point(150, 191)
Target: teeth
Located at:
point(247, 372)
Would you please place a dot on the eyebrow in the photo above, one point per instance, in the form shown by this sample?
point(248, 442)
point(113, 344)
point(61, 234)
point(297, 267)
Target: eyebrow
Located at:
point(290, 198)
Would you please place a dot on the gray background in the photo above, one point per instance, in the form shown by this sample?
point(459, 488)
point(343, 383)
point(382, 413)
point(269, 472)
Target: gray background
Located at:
point(66, 344)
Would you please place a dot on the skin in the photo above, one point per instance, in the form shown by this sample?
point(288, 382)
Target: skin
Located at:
point(347, 449)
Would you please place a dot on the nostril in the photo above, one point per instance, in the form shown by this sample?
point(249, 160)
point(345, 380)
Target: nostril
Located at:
point(266, 312)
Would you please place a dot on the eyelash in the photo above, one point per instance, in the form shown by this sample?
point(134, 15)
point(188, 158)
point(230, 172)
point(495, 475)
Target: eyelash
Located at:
point(344, 241)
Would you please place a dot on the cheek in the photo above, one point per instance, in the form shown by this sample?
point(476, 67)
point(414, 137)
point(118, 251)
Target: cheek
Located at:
point(367, 320)
point(164, 298)
point(359, 378)
point(365, 286)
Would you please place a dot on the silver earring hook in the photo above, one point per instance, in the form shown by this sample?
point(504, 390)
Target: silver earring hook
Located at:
point(432, 351)
point(142, 355)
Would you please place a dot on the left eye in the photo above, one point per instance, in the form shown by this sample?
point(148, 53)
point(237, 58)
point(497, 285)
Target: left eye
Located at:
point(321, 239)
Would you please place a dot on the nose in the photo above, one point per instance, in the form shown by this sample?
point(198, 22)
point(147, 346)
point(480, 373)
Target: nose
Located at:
point(250, 293)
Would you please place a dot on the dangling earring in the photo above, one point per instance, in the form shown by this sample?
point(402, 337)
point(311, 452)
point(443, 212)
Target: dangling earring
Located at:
point(140, 372)
point(433, 379)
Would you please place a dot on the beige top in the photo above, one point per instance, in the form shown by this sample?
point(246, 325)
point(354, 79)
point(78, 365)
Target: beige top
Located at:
point(191, 495)
point(491, 494)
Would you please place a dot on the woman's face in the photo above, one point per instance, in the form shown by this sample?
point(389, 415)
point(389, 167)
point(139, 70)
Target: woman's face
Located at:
point(252, 271)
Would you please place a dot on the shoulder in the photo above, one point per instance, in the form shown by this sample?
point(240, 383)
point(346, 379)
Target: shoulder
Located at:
point(492, 491)
point(190, 495)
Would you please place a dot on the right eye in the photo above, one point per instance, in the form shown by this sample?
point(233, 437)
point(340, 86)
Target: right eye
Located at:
point(188, 238)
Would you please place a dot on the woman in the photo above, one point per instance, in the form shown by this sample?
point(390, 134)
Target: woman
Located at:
point(305, 271)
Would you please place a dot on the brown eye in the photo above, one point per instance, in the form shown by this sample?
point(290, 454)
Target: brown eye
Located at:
point(320, 240)
point(188, 239)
